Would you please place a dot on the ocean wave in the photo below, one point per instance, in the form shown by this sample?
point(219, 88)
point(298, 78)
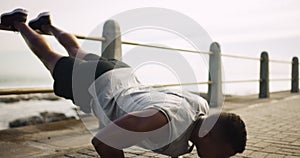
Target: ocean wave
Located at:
point(28, 97)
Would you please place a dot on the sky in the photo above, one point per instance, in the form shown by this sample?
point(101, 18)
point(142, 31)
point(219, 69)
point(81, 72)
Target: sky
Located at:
point(242, 27)
point(230, 22)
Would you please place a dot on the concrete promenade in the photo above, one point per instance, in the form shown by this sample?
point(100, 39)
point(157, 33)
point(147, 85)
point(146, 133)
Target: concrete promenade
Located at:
point(273, 127)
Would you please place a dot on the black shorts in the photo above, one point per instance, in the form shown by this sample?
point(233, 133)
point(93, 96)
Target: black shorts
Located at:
point(72, 77)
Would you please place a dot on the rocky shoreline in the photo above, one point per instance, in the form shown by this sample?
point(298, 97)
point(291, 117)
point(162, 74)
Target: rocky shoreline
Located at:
point(27, 97)
point(44, 117)
point(33, 109)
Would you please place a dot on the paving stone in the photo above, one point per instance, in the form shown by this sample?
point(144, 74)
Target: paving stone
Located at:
point(261, 144)
point(130, 155)
point(135, 150)
point(75, 155)
point(150, 154)
point(291, 157)
point(258, 154)
point(278, 141)
point(292, 151)
point(141, 156)
point(246, 153)
point(270, 149)
point(88, 152)
point(273, 132)
point(275, 156)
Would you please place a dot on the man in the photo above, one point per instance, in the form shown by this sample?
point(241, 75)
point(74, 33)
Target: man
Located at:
point(162, 120)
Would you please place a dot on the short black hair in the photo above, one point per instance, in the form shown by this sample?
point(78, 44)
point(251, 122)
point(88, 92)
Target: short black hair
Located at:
point(232, 130)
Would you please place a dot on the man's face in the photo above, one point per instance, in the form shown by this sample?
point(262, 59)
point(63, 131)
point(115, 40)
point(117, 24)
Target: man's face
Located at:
point(212, 148)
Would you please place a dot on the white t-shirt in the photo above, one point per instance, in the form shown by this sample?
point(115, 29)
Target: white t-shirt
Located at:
point(118, 92)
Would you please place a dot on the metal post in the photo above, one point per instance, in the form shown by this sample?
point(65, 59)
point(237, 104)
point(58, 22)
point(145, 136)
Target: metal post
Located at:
point(215, 94)
point(295, 75)
point(264, 76)
point(111, 47)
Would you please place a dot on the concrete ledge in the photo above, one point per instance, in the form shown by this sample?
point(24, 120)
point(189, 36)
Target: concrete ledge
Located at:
point(44, 140)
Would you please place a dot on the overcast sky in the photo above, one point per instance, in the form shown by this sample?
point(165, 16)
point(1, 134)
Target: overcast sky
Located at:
point(242, 27)
point(230, 22)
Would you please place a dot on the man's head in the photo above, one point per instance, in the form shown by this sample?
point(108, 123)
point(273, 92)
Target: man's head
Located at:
point(225, 139)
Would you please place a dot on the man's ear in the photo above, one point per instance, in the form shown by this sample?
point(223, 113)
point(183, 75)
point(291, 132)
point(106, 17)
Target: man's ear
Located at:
point(206, 126)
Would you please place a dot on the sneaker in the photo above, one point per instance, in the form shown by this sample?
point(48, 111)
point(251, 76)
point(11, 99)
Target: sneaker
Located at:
point(41, 19)
point(8, 19)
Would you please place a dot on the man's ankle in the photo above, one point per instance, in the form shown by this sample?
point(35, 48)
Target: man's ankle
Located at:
point(46, 28)
point(18, 24)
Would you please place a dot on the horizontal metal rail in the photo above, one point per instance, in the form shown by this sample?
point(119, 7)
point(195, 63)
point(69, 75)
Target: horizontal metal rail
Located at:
point(11, 91)
point(241, 81)
point(241, 57)
point(280, 79)
point(90, 38)
point(162, 47)
point(128, 43)
point(280, 61)
point(259, 59)
point(140, 44)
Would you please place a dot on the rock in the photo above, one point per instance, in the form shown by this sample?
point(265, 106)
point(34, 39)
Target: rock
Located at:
point(27, 97)
point(45, 117)
point(54, 116)
point(26, 121)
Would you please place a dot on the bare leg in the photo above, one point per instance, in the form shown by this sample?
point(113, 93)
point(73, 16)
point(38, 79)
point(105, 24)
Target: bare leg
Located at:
point(69, 41)
point(38, 45)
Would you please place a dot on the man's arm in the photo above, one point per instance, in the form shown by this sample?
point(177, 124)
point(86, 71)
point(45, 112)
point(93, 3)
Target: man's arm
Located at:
point(127, 131)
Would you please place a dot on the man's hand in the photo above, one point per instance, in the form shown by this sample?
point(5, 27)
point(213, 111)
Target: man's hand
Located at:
point(127, 131)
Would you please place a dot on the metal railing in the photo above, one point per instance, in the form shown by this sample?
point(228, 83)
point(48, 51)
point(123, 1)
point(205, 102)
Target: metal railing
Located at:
point(241, 57)
point(10, 91)
point(112, 38)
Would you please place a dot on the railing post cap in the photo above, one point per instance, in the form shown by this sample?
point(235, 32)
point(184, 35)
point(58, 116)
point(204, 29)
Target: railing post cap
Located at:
point(111, 24)
point(264, 54)
point(110, 21)
point(295, 59)
point(215, 43)
point(215, 47)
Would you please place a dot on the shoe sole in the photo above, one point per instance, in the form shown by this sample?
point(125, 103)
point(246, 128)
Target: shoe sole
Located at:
point(19, 10)
point(39, 16)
